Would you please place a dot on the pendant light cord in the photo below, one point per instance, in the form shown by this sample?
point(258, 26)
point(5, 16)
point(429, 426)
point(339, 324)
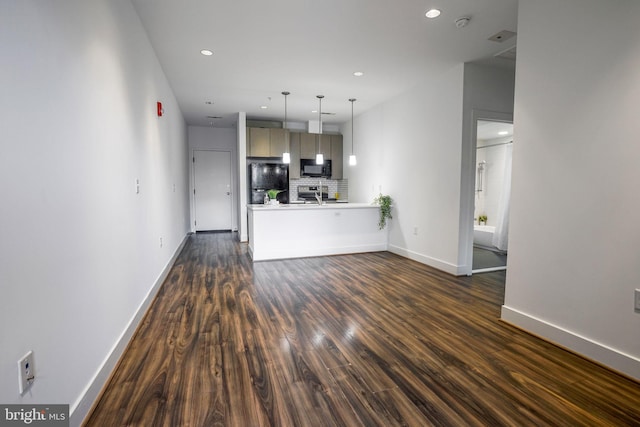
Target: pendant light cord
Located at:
point(352, 100)
point(320, 123)
point(285, 93)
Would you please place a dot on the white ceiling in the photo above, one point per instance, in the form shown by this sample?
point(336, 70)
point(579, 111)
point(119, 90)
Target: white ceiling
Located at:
point(306, 47)
point(488, 130)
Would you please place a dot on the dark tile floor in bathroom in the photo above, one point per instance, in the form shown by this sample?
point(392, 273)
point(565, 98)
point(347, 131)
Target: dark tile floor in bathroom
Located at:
point(484, 258)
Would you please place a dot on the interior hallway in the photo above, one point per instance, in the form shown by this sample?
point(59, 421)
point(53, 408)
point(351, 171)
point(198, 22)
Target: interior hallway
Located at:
point(367, 339)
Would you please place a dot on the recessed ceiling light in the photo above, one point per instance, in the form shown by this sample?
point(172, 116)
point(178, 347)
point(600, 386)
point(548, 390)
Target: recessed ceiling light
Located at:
point(206, 52)
point(264, 107)
point(503, 132)
point(358, 74)
point(432, 13)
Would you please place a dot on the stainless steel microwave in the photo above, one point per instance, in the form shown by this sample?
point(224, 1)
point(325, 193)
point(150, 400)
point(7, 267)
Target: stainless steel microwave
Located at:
point(308, 167)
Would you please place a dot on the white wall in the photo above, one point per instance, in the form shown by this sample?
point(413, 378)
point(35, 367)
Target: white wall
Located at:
point(241, 132)
point(419, 148)
point(79, 249)
point(409, 148)
point(215, 139)
point(574, 232)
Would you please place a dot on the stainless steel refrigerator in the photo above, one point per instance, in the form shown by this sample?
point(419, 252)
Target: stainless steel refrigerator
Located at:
point(268, 176)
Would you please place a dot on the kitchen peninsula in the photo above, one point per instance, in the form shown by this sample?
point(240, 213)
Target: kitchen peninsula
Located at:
point(304, 230)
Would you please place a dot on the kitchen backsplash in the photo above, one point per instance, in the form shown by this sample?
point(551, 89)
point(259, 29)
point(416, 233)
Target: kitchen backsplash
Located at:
point(341, 187)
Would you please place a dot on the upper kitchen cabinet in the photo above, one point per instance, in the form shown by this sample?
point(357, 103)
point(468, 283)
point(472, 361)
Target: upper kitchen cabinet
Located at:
point(305, 146)
point(258, 142)
point(278, 141)
point(294, 147)
point(325, 146)
point(266, 142)
point(309, 146)
point(308, 143)
point(336, 157)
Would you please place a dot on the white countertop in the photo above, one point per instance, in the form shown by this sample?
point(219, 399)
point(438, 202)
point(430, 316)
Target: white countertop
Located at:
point(311, 206)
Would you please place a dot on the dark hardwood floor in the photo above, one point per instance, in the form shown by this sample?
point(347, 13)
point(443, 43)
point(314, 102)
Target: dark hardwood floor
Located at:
point(357, 340)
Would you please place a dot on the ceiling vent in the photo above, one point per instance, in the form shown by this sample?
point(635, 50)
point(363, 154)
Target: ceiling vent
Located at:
point(502, 36)
point(509, 53)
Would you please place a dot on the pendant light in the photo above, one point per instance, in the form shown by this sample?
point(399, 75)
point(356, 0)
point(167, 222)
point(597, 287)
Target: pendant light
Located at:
point(352, 157)
point(319, 156)
point(286, 156)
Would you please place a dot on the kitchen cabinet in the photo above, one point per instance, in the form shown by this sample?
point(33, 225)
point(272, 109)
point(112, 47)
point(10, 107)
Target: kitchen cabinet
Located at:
point(258, 142)
point(266, 142)
point(294, 166)
point(272, 142)
point(325, 146)
point(308, 144)
point(336, 157)
point(305, 146)
point(284, 231)
point(278, 141)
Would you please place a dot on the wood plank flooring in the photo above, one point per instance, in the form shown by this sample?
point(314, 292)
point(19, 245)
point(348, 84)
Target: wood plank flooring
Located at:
point(356, 340)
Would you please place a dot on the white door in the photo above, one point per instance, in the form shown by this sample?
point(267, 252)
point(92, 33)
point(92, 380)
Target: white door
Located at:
point(212, 189)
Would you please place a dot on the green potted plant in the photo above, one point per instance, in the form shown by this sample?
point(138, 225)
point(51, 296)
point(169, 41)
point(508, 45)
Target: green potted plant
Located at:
point(272, 196)
point(482, 219)
point(384, 201)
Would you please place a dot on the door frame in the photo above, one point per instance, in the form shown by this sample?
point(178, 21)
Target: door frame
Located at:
point(468, 181)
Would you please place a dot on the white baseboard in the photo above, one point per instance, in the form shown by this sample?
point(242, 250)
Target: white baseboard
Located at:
point(81, 408)
point(597, 352)
point(447, 267)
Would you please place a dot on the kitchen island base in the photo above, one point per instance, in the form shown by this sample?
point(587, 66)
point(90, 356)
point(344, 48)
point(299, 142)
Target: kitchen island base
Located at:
point(296, 231)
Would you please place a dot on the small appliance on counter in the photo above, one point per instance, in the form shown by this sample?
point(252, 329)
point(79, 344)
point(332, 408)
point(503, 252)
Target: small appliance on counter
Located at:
point(268, 176)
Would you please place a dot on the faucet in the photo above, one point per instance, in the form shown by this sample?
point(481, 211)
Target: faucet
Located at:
point(319, 193)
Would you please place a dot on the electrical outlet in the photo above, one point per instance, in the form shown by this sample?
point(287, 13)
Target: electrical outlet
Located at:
point(415, 231)
point(26, 372)
point(636, 304)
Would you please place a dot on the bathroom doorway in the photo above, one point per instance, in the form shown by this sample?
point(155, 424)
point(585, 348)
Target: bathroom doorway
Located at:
point(494, 145)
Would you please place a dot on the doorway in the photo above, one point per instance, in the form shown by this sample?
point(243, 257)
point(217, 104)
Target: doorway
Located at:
point(212, 190)
point(494, 144)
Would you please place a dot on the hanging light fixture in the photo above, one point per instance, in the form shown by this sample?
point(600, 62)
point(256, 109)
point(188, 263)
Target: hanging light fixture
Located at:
point(319, 156)
point(352, 157)
point(286, 156)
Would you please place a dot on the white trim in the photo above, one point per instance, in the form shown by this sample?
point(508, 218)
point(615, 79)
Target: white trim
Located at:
point(315, 252)
point(467, 188)
point(81, 408)
point(456, 270)
point(242, 176)
point(489, 269)
point(585, 347)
